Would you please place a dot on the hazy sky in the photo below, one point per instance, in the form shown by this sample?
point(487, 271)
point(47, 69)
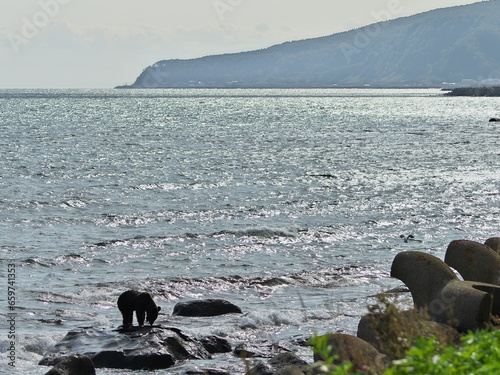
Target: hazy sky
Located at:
point(104, 43)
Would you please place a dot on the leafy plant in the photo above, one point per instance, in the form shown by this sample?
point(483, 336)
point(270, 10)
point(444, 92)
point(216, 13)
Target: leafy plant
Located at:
point(479, 353)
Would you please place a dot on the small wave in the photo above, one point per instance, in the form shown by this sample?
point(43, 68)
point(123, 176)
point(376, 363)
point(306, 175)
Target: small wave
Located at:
point(329, 278)
point(71, 258)
point(114, 221)
point(256, 320)
point(325, 175)
point(73, 203)
point(272, 281)
point(38, 345)
point(264, 232)
point(37, 262)
point(125, 241)
point(158, 186)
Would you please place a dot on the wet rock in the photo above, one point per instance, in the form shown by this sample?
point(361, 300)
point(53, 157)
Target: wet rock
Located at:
point(288, 364)
point(144, 348)
point(290, 370)
point(75, 364)
point(285, 359)
point(248, 351)
point(261, 368)
point(206, 307)
point(494, 243)
point(207, 372)
point(282, 363)
point(215, 344)
point(361, 354)
point(466, 305)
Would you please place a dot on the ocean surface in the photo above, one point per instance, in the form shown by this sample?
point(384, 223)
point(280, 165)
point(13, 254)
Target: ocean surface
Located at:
point(288, 203)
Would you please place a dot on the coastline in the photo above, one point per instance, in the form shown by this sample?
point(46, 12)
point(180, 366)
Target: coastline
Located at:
point(490, 91)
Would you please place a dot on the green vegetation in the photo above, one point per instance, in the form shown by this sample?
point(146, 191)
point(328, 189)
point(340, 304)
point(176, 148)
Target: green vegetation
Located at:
point(478, 353)
point(413, 348)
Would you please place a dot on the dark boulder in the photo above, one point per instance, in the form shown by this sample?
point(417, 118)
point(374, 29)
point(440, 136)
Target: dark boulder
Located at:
point(209, 371)
point(249, 351)
point(206, 307)
point(290, 370)
point(141, 349)
point(75, 364)
point(215, 344)
point(282, 364)
point(361, 354)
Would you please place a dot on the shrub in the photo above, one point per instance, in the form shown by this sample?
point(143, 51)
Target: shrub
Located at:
point(479, 353)
point(394, 332)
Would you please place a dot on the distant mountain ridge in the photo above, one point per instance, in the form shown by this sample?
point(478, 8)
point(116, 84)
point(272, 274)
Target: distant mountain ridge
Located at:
point(427, 49)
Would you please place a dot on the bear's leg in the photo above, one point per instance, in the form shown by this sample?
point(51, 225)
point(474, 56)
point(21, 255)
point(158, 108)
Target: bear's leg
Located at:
point(141, 315)
point(127, 318)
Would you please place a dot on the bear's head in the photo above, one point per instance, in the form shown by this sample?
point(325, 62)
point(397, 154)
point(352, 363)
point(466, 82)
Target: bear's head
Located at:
point(153, 314)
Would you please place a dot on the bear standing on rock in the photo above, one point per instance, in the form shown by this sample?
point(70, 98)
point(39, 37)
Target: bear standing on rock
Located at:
point(141, 303)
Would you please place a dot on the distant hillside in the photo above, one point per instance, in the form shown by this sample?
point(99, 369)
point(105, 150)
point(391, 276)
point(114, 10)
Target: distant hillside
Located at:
point(443, 45)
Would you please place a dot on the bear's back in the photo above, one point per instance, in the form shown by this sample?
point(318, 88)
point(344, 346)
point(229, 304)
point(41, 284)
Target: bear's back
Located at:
point(133, 299)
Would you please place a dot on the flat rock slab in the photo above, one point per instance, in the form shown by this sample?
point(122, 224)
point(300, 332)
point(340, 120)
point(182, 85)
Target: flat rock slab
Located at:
point(143, 349)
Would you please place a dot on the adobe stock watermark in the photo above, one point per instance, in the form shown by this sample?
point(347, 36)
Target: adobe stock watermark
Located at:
point(224, 6)
point(365, 35)
point(11, 292)
point(33, 25)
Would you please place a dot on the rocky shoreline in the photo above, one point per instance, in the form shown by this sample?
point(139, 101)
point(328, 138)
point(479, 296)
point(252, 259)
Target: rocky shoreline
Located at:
point(475, 91)
point(445, 307)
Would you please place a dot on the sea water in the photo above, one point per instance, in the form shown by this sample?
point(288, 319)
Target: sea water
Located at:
point(288, 203)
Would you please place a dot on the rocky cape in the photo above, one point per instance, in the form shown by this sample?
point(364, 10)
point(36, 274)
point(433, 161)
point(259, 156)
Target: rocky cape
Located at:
point(427, 49)
point(475, 91)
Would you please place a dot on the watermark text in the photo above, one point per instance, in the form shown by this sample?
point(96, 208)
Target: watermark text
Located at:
point(224, 6)
point(11, 315)
point(33, 25)
point(365, 35)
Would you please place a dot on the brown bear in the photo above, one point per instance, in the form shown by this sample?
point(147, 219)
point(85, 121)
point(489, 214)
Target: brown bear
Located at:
point(141, 303)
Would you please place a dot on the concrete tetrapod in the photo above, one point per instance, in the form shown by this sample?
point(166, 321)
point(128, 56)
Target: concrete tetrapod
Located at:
point(436, 289)
point(474, 261)
point(494, 243)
